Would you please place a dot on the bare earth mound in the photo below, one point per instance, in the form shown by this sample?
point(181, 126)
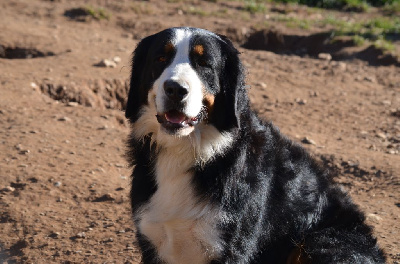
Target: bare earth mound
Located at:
point(64, 181)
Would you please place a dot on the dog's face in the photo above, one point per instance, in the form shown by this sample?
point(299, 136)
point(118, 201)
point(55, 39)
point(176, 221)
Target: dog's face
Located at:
point(187, 77)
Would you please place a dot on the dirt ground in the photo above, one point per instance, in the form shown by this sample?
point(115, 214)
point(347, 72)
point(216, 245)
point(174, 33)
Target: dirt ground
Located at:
point(64, 180)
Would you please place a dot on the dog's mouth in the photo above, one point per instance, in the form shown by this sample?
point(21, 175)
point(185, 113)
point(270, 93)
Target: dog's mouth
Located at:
point(174, 120)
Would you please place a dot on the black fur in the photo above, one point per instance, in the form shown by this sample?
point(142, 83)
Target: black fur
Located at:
point(278, 199)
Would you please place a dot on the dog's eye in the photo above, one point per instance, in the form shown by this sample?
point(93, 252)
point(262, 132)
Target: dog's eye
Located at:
point(162, 59)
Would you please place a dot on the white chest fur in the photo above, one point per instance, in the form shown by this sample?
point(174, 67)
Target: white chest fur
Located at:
point(182, 228)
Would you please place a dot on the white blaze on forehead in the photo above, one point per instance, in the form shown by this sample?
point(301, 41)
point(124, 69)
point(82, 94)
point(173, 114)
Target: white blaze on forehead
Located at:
point(181, 71)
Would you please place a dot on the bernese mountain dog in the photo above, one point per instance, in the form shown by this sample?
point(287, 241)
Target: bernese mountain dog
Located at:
point(211, 182)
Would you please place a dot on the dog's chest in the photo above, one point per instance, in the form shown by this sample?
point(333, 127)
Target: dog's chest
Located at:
point(183, 229)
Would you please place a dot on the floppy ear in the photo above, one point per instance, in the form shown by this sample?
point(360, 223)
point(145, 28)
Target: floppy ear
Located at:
point(232, 97)
point(138, 92)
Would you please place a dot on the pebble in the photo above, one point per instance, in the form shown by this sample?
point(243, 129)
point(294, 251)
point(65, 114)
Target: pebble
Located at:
point(72, 104)
point(108, 240)
point(57, 184)
point(54, 235)
point(106, 63)
point(263, 85)
point(300, 101)
point(64, 119)
point(117, 59)
point(81, 235)
point(8, 189)
point(381, 135)
point(307, 140)
point(374, 218)
point(325, 56)
point(369, 79)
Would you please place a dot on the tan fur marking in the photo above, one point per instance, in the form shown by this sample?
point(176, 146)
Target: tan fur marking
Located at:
point(298, 256)
point(199, 49)
point(208, 101)
point(169, 47)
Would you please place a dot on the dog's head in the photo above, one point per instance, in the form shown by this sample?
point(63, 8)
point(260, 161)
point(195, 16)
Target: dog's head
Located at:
point(184, 77)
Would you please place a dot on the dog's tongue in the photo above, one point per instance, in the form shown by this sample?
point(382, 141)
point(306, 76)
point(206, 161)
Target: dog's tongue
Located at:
point(175, 117)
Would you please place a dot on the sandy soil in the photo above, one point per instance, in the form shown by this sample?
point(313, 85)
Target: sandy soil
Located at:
point(64, 181)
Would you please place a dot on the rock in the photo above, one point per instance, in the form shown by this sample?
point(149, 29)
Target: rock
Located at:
point(108, 240)
point(104, 198)
point(8, 189)
point(374, 218)
point(81, 235)
point(64, 119)
point(106, 63)
point(325, 56)
point(263, 85)
point(381, 135)
point(57, 184)
point(117, 59)
point(369, 79)
point(341, 66)
point(54, 235)
point(300, 101)
point(307, 140)
point(72, 104)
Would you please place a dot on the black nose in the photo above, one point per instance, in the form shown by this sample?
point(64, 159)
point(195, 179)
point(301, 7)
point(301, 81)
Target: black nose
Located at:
point(175, 91)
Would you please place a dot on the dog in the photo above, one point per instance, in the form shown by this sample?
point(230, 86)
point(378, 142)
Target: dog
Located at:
point(211, 182)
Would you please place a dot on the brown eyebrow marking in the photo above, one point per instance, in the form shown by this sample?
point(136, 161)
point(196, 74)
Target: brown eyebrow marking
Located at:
point(169, 47)
point(199, 49)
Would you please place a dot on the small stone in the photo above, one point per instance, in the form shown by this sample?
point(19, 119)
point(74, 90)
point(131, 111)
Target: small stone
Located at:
point(106, 63)
point(64, 119)
point(300, 101)
point(24, 151)
point(369, 79)
point(57, 184)
point(372, 147)
point(8, 189)
point(72, 104)
point(342, 66)
point(104, 198)
point(381, 135)
point(374, 218)
point(307, 140)
point(325, 56)
point(392, 151)
point(117, 59)
point(54, 235)
point(59, 200)
point(81, 235)
point(387, 102)
point(108, 240)
point(263, 85)
point(180, 12)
